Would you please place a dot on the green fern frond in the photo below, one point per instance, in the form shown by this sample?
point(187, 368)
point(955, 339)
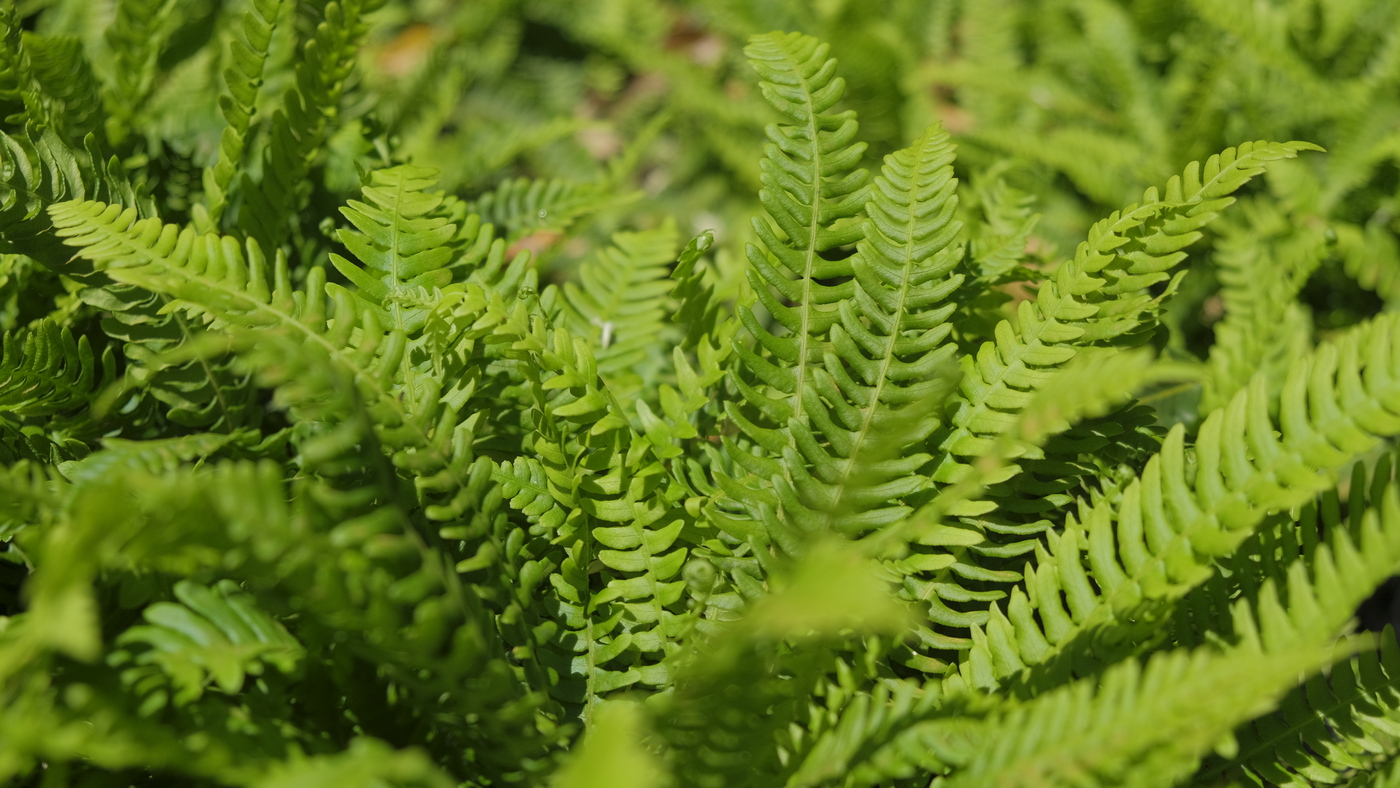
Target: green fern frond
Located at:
point(618, 301)
point(888, 359)
point(1324, 728)
point(727, 723)
point(598, 502)
point(135, 39)
point(32, 495)
point(51, 78)
point(216, 635)
point(242, 78)
point(1139, 724)
point(1152, 544)
point(812, 192)
point(523, 206)
point(401, 242)
point(365, 763)
point(897, 731)
point(156, 456)
point(1262, 265)
point(1098, 297)
point(45, 371)
point(37, 171)
point(1371, 256)
point(300, 126)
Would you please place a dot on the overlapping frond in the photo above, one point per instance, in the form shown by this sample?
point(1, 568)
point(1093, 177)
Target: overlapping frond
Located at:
point(596, 497)
point(1328, 725)
point(45, 371)
point(242, 78)
point(402, 245)
point(1100, 297)
point(39, 170)
point(1154, 542)
point(211, 635)
point(300, 125)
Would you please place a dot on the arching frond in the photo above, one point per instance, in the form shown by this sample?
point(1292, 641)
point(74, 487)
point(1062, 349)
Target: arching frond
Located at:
point(1154, 542)
point(1099, 297)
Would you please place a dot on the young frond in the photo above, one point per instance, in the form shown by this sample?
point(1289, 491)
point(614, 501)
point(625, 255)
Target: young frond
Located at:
point(402, 245)
point(1099, 297)
point(618, 301)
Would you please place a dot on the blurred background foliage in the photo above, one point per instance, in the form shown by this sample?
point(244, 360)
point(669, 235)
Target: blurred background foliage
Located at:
point(565, 120)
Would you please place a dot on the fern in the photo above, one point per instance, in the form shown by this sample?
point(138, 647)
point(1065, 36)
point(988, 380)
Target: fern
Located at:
point(212, 634)
point(617, 303)
point(47, 371)
point(135, 39)
point(299, 128)
point(313, 474)
point(242, 79)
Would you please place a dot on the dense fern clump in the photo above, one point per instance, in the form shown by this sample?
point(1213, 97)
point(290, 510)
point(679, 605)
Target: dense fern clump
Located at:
point(346, 439)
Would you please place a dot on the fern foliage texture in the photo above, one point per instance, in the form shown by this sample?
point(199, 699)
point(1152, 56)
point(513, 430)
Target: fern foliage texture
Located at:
point(399, 394)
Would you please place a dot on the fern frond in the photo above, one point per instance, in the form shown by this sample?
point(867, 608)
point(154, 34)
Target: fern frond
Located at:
point(599, 502)
point(1149, 546)
point(45, 371)
point(402, 243)
point(1371, 256)
point(1262, 265)
point(1137, 724)
point(135, 39)
point(617, 300)
point(523, 206)
point(811, 191)
point(365, 763)
point(37, 171)
point(1098, 297)
point(888, 360)
point(52, 79)
point(242, 79)
point(299, 128)
point(1325, 727)
point(727, 722)
point(216, 634)
point(898, 730)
